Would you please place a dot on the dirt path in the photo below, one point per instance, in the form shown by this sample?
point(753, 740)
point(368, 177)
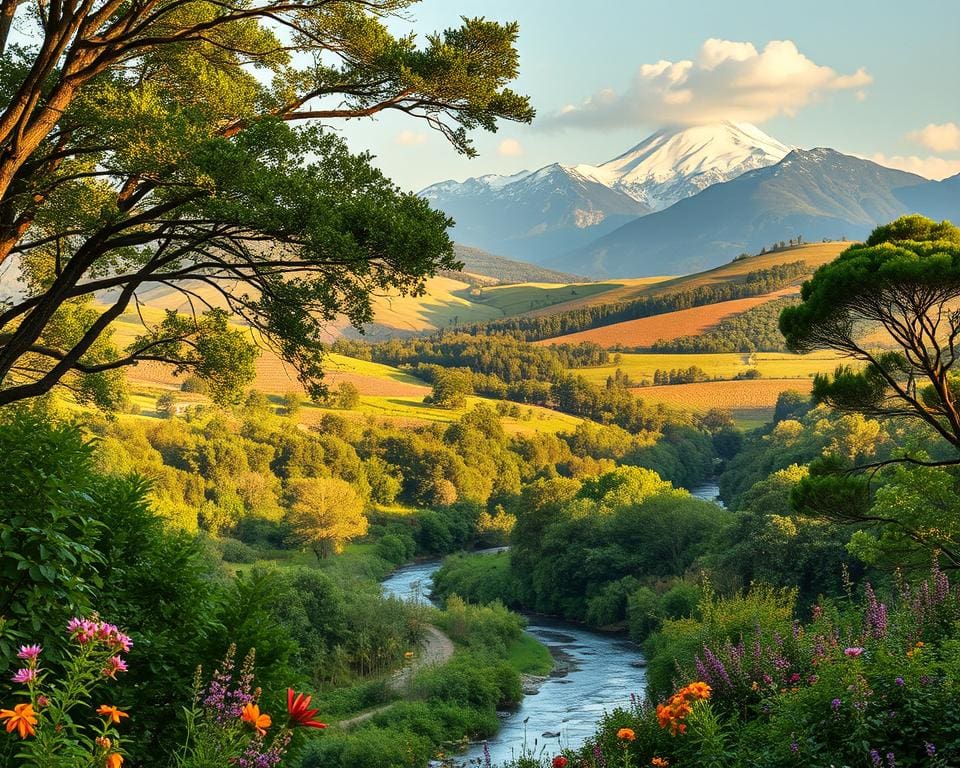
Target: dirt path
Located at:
point(436, 649)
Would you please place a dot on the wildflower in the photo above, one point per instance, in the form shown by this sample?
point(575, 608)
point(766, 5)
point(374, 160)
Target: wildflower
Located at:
point(25, 676)
point(899, 681)
point(114, 760)
point(931, 749)
point(875, 758)
point(853, 653)
point(114, 664)
point(29, 652)
point(835, 704)
point(660, 762)
point(626, 734)
point(300, 714)
point(21, 718)
point(794, 747)
point(103, 742)
point(891, 762)
point(112, 713)
point(252, 716)
point(559, 762)
point(698, 690)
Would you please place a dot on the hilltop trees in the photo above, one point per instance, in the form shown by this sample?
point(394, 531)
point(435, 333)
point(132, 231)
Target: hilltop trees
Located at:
point(905, 279)
point(165, 143)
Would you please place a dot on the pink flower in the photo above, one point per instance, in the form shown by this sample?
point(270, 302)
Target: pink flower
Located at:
point(853, 652)
point(25, 676)
point(114, 664)
point(29, 652)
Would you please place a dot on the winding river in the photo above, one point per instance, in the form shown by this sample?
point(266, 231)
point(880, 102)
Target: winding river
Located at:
point(604, 671)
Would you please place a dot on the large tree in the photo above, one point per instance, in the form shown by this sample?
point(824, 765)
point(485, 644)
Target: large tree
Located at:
point(324, 513)
point(185, 145)
point(891, 303)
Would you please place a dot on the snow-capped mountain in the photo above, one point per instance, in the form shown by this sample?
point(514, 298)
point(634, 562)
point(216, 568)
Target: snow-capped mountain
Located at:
point(817, 193)
point(675, 163)
point(537, 215)
point(532, 215)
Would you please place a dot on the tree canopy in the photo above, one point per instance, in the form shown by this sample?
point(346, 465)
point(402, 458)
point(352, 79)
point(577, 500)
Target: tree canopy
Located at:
point(891, 303)
point(182, 146)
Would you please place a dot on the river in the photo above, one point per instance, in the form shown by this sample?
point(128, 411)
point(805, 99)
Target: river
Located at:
point(604, 672)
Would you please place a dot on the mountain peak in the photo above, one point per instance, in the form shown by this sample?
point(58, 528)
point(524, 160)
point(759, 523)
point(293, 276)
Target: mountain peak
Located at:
point(679, 161)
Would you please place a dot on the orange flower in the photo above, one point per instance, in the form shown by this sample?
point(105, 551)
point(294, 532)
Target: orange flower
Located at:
point(114, 760)
point(260, 722)
point(113, 714)
point(626, 734)
point(660, 762)
point(698, 690)
point(21, 718)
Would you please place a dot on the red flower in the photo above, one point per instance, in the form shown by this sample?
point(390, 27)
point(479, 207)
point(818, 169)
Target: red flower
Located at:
point(560, 762)
point(300, 715)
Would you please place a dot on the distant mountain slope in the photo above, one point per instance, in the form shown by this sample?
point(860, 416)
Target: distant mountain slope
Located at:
point(675, 163)
point(532, 216)
point(936, 199)
point(818, 193)
point(502, 270)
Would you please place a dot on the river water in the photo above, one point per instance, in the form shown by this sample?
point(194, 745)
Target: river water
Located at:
point(605, 670)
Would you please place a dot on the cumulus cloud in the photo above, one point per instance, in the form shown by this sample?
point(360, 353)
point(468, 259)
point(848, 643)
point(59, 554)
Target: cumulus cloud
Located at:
point(410, 138)
point(729, 80)
point(938, 138)
point(930, 167)
point(510, 148)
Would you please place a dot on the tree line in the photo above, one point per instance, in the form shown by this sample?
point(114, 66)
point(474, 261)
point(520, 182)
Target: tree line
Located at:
point(753, 283)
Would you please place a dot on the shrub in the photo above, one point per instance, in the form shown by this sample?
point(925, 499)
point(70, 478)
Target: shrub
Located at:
point(234, 551)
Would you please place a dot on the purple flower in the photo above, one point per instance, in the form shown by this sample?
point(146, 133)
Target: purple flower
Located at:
point(794, 747)
point(899, 681)
point(853, 653)
point(835, 704)
point(931, 749)
point(24, 676)
point(486, 755)
point(598, 757)
point(29, 652)
point(891, 762)
point(875, 758)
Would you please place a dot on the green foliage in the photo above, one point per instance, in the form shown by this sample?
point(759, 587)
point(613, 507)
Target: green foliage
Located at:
point(49, 528)
point(755, 330)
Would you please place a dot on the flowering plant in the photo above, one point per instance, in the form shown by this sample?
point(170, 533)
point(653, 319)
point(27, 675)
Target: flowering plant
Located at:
point(226, 726)
point(57, 724)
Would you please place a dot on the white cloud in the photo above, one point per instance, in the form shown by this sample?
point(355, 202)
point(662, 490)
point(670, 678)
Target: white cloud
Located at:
point(938, 138)
point(929, 167)
point(410, 138)
point(510, 148)
point(728, 81)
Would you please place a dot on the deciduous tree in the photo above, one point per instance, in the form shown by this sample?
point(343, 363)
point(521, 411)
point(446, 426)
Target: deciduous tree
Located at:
point(325, 513)
point(183, 145)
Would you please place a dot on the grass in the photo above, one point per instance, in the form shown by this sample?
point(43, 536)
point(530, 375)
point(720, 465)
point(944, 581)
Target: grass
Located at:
point(529, 656)
point(725, 365)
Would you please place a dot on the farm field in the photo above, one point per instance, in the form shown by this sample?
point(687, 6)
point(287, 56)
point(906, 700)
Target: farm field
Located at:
point(751, 402)
point(815, 255)
point(646, 331)
point(724, 365)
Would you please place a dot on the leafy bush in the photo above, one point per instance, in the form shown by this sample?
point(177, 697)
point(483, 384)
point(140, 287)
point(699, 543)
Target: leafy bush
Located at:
point(235, 551)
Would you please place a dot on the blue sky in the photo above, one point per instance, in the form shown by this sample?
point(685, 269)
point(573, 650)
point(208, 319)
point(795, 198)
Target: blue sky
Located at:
point(862, 77)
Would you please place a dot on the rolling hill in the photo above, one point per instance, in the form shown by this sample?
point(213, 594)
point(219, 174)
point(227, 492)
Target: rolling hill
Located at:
point(477, 262)
point(819, 193)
